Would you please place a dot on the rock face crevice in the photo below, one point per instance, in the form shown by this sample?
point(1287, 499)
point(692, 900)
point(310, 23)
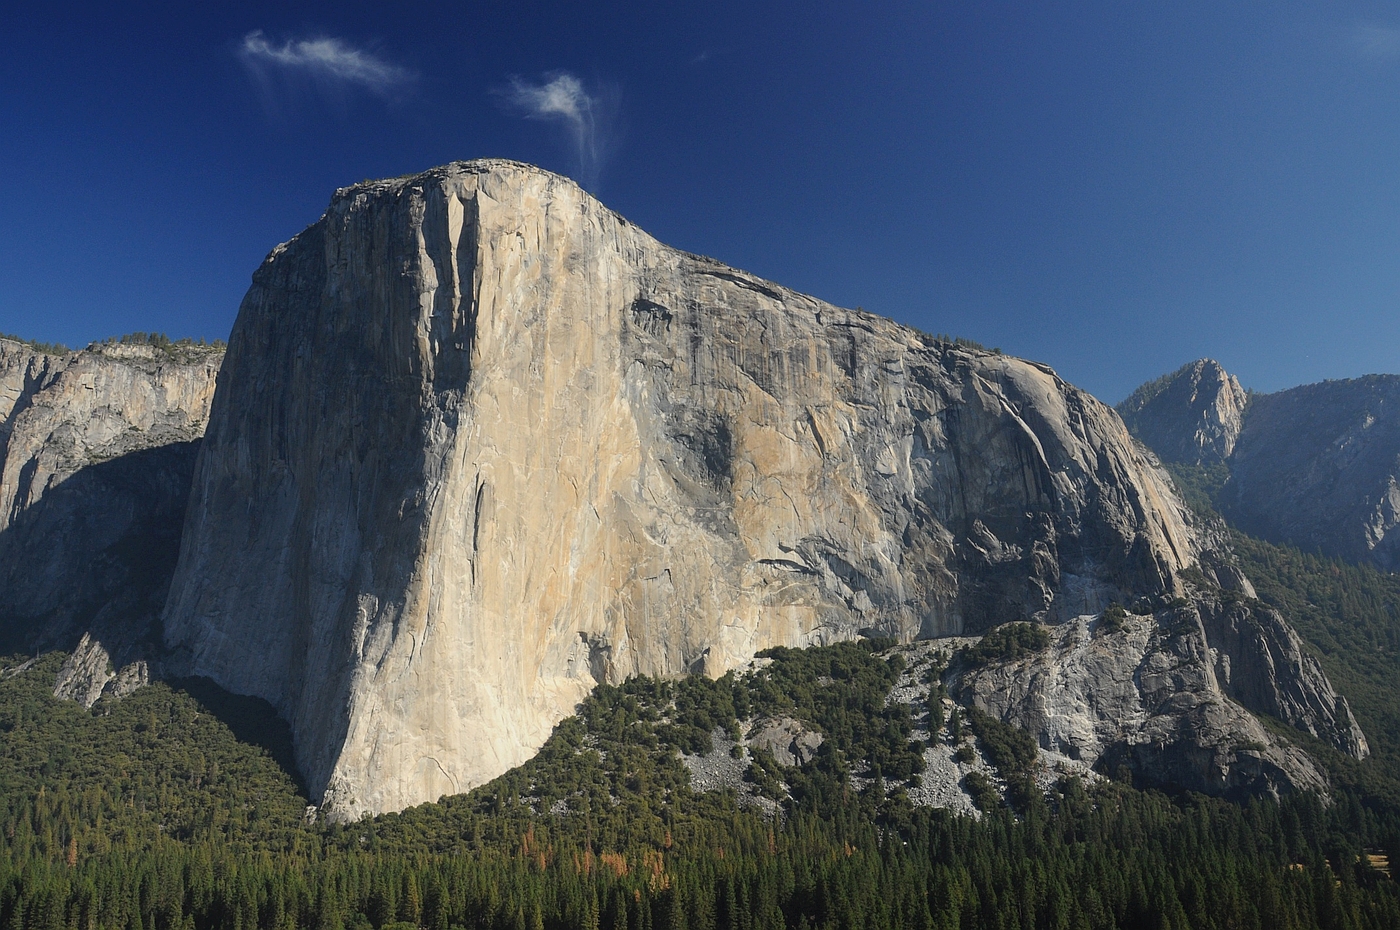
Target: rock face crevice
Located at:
point(480, 442)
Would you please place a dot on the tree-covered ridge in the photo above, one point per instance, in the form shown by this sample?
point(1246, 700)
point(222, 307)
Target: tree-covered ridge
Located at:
point(160, 342)
point(163, 344)
point(615, 769)
point(159, 347)
point(43, 348)
point(149, 813)
point(155, 764)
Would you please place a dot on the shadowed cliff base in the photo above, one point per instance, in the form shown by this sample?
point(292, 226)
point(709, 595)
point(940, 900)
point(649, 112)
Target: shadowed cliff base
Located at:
point(95, 554)
point(251, 720)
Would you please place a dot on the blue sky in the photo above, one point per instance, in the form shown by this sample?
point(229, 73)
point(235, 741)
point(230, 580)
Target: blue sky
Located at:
point(1113, 188)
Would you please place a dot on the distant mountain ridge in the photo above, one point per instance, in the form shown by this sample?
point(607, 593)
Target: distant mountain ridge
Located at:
point(1194, 414)
point(1316, 466)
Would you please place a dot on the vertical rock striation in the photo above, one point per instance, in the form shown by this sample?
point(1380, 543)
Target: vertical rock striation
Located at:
point(480, 444)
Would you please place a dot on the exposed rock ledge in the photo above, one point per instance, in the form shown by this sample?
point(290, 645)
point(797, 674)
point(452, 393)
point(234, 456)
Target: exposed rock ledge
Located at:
point(1170, 696)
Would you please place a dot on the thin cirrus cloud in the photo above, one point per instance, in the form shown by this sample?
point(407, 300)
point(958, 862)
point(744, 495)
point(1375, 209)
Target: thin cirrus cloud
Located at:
point(1375, 42)
point(328, 64)
point(588, 116)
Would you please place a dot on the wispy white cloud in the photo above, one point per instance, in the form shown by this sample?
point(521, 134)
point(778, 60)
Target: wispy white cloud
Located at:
point(587, 115)
point(1375, 42)
point(328, 61)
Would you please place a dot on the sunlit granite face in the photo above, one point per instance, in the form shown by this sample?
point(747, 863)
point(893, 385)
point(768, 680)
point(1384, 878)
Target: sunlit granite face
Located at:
point(480, 444)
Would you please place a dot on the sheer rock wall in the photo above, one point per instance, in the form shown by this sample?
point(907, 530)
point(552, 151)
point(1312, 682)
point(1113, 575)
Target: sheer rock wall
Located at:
point(480, 443)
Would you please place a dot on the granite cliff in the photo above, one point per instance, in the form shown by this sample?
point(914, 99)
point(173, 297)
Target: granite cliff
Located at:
point(1193, 415)
point(1316, 466)
point(1173, 696)
point(97, 449)
point(480, 444)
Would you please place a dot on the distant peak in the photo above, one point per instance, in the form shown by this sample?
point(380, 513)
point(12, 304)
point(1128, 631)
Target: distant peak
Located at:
point(1192, 415)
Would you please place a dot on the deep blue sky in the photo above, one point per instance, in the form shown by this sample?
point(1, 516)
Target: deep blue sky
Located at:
point(1114, 188)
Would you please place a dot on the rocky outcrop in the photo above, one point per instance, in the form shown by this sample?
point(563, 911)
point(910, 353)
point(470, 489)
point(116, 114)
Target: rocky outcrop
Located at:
point(480, 444)
point(785, 739)
point(96, 453)
point(1169, 696)
point(89, 672)
point(1261, 664)
point(1193, 415)
point(1318, 467)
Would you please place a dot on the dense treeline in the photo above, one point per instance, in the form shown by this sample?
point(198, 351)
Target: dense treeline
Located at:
point(155, 764)
point(1118, 858)
point(163, 343)
point(45, 348)
point(149, 814)
point(158, 341)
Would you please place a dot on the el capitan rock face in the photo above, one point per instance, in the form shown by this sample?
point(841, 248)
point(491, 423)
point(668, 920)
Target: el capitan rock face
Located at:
point(480, 444)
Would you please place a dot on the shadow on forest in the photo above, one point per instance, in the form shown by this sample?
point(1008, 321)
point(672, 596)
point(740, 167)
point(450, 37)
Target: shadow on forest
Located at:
point(251, 719)
point(95, 554)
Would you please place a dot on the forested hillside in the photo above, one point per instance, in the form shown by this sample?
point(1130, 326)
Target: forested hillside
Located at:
point(152, 813)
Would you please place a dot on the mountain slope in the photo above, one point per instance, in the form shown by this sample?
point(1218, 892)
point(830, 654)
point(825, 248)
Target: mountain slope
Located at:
point(1316, 466)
